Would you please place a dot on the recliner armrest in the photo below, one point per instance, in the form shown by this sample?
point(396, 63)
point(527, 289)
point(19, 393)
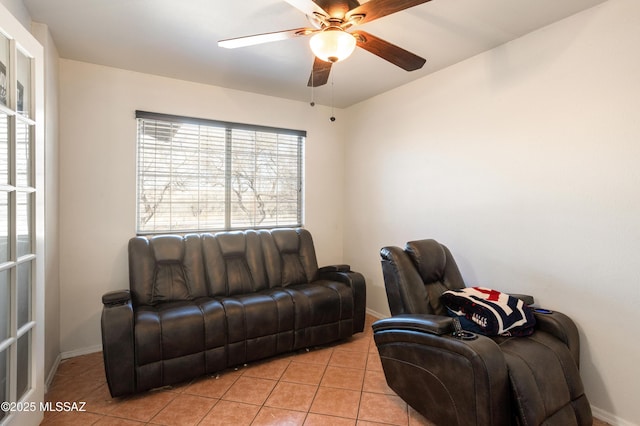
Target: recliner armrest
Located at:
point(527, 299)
point(561, 326)
point(426, 366)
point(335, 268)
point(118, 297)
point(434, 324)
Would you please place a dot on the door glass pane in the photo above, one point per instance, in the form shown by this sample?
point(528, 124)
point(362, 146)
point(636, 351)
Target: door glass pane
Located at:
point(23, 154)
point(23, 222)
point(4, 226)
point(4, 67)
point(23, 89)
point(24, 357)
point(24, 293)
point(4, 382)
point(4, 147)
point(5, 306)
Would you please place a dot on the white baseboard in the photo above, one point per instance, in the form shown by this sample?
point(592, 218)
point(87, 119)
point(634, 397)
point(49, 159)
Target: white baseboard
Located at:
point(376, 314)
point(83, 351)
point(610, 418)
point(52, 373)
point(66, 355)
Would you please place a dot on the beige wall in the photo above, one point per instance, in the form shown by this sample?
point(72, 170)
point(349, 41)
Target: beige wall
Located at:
point(97, 176)
point(524, 161)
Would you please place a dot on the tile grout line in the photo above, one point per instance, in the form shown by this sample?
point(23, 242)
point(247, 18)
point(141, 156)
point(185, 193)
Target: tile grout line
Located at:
point(315, 394)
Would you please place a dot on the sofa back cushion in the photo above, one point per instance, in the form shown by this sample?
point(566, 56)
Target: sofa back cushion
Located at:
point(172, 267)
point(290, 257)
point(166, 268)
point(233, 263)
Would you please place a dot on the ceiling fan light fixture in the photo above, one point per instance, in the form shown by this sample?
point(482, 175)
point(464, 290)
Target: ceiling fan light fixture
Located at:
point(332, 44)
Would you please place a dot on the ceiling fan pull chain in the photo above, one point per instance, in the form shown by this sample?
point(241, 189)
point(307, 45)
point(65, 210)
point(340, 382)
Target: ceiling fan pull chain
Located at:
point(313, 101)
point(333, 117)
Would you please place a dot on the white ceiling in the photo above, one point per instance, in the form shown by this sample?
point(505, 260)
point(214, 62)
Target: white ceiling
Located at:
point(179, 39)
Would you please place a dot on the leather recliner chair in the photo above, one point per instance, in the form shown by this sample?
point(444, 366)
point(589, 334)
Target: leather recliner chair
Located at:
point(475, 380)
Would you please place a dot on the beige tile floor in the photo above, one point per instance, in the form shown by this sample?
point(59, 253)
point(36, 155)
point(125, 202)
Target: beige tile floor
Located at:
point(341, 384)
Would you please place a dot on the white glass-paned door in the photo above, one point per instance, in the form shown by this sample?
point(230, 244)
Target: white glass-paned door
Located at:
point(21, 225)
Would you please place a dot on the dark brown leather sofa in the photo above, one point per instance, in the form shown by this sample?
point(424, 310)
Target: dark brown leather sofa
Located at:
point(200, 303)
point(476, 380)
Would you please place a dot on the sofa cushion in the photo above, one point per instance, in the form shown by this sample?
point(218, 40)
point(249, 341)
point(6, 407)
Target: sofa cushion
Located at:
point(259, 324)
point(176, 260)
point(233, 263)
point(288, 244)
point(545, 380)
point(323, 311)
point(290, 257)
point(175, 329)
point(169, 283)
point(166, 268)
point(168, 248)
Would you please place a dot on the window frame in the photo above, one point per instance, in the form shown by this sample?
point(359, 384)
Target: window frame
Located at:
point(228, 128)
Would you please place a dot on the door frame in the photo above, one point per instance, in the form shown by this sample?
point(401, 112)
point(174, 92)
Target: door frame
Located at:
point(29, 409)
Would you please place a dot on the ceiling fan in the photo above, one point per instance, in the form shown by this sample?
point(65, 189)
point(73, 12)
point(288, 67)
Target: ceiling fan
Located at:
point(332, 36)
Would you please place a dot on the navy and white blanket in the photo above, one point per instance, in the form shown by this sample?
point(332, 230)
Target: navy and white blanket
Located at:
point(489, 312)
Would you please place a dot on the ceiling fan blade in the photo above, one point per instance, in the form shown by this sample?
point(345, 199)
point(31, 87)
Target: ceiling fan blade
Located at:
point(320, 73)
point(308, 7)
point(251, 40)
point(375, 9)
point(390, 52)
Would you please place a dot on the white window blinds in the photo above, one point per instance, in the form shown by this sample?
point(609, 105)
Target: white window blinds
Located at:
point(205, 175)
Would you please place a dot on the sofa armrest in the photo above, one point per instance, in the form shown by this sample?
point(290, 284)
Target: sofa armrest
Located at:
point(420, 352)
point(118, 342)
point(334, 268)
point(355, 280)
point(561, 326)
point(118, 297)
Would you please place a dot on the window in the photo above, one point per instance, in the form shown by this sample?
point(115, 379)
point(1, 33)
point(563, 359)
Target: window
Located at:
point(205, 175)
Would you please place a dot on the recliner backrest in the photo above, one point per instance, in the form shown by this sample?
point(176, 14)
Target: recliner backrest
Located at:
point(233, 263)
point(416, 277)
point(165, 268)
point(290, 257)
